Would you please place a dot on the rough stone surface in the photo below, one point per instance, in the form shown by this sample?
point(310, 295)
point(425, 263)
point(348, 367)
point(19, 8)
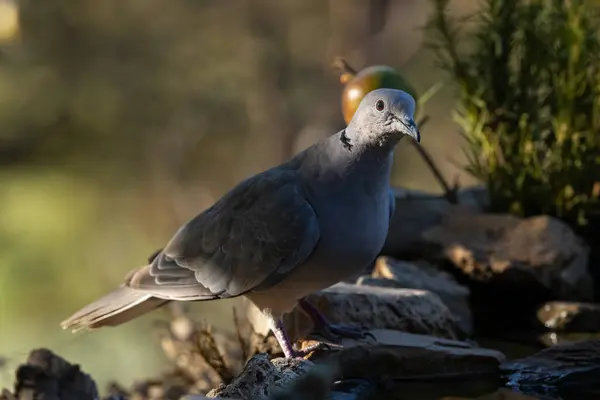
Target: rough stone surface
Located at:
point(409, 310)
point(512, 265)
point(261, 377)
point(406, 356)
point(417, 211)
point(538, 251)
point(48, 376)
point(318, 382)
point(571, 367)
point(389, 272)
point(501, 394)
point(566, 316)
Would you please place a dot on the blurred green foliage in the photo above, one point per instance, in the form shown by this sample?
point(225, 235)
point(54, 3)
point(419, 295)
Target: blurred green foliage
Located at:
point(529, 102)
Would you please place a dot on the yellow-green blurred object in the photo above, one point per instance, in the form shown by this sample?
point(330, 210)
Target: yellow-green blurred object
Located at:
point(9, 20)
point(357, 85)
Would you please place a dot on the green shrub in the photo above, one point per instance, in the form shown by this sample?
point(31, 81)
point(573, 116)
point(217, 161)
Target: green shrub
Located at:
point(529, 102)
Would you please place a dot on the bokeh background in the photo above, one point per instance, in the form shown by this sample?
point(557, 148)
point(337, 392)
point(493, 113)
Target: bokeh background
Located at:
point(120, 120)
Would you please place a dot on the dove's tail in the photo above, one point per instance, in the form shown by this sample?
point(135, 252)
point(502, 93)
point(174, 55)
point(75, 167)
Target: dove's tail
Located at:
point(116, 308)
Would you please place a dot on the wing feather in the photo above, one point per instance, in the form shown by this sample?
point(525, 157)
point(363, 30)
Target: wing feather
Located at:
point(254, 235)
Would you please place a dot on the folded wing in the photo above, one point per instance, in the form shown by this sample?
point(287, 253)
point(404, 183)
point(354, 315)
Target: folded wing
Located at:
point(256, 233)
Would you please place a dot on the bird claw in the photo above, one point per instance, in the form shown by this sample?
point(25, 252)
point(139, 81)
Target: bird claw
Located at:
point(312, 348)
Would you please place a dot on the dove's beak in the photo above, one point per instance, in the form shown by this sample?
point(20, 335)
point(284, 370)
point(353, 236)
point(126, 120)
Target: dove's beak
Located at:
point(410, 128)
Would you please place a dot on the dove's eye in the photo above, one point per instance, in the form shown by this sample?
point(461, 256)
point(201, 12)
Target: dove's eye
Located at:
point(380, 105)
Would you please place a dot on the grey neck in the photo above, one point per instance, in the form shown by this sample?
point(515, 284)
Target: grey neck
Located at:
point(332, 161)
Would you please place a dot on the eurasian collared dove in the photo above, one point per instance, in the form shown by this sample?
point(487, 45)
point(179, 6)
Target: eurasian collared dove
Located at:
point(282, 234)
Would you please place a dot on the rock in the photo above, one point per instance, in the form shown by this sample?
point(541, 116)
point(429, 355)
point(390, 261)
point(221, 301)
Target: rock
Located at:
point(47, 376)
point(500, 394)
point(357, 369)
point(539, 250)
point(512, 264)
point(261, 377)
point(567, 316)
point(407, 357)
point(565, 368)
point(409, 310)
point(389, 272)
point(315, 383)
point(549, 339)
point(417, 211)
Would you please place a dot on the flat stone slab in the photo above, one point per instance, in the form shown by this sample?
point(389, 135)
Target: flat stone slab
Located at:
point(389, 272)
point(564, 368)
point(408, 310)
point(406, 356)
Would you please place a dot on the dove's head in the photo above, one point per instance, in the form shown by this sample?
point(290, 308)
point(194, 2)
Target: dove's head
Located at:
point(383, 117)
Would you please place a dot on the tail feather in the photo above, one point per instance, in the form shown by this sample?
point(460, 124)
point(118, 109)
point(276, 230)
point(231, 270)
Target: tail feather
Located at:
point(117, 307)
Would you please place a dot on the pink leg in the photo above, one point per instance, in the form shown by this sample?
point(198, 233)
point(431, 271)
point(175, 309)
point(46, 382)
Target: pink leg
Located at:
point(282, 337)
point(286, 344)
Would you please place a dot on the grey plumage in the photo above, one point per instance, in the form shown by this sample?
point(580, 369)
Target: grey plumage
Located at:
point(277, 236)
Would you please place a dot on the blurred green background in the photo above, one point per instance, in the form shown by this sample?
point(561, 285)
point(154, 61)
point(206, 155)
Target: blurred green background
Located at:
point(119, 120)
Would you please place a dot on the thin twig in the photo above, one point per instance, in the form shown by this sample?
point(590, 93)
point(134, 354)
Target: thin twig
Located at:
point(342, 66)
point(207, 347)
point(345, 71)
point(449, 192)
point(238, 328)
